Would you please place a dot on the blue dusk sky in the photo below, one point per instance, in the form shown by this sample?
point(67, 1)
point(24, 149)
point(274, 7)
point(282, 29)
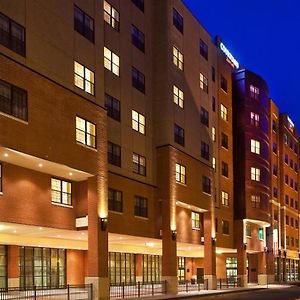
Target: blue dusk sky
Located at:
point(264, 36)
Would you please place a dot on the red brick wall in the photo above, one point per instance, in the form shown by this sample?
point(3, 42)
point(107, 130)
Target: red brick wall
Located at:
point(75, 266)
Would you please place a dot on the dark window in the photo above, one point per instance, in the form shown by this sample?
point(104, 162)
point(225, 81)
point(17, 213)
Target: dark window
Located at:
point(84, 24)
point(296, 148)
point(274, 148)
point(296, 204)
point(291, 144)
point(204, 117)
point(206, 186)
point(138, 38)
point(274, 126)
point(296, 186)
point(287, 220)
point(177, 20)
point(275, 192)
point(178, 135)
point(139, 164)
point(286, 179)
point(12, 35)
point(216, 224)
point(287, 199)
point(13, 101)
point(138, 80)
point(139, 4)
point(113, 107)
point(291, 182)
point(203, 49)
point(114, 154)
point(115, 202)
point(224, 169)
point(275, 170)
point(296, 167)
point(140, 206)
point(213, 103)
point(225, 227)
point(276, 215)
point(204, 150)
point(291, 163)
point(224, 139)
point(223, 83)
point(292, 202)
point(286, 158)
point(213, 74)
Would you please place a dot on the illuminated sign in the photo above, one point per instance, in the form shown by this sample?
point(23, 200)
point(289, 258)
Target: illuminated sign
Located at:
point(291, 124)
point(229, 57)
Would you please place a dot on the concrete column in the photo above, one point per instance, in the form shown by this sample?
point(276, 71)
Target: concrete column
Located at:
point(13, 267)
point(210, 270)
point(241, 252)
point(262, 268)
point(97, 264)
point(284, 270)
point(270, 257)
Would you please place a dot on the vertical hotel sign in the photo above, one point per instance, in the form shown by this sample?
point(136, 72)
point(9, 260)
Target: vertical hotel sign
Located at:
point(229, 57)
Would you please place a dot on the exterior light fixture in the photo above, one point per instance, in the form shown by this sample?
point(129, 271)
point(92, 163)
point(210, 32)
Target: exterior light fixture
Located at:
point(103, 224)
point(245, 246)
point(214, 241)
point(174, 235)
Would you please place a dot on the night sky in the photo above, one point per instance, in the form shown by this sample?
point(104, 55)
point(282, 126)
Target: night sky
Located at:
point(264, 36)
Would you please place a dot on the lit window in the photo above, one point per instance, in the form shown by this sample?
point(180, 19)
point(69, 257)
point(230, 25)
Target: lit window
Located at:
point(140, 206)
point(111, 15)
point(115, 202)
point(203, 83)
point(1, 189)
point(224, 112)
point(84, 24)
point(255, 174)
point(225, 227)
point(177, 58)
point(138, 122)
point(84, 78)
point(214, 163)
point(139, 164)
point(213, 133)
point(254, 92)
point(178, 96)
point(85, 132)
point(111, 61)
point(195, 220)
point(225, 198)
point(255, 201)
point(61, 191)
point(180, 173)
point(255, 146)
point(254, 118)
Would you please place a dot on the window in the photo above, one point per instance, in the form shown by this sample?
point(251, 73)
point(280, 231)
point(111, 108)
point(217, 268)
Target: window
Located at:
point(296, 204)
point(180, 173)
point(177, 20)
point(178, 96)
point(296, 224)
point(254, 92)
point(214, 163)
point(3, 267)
point(12, 35)
point(225, 227)
point(84, 78)
point(292, 222)
point(216, 224)
point(291, 182)
point(292, 202)
point(225, 198)
point(139, 4)
point(213, 74)
point(275, 170)
point(261, 234)
point(203, 49)
point(177, 58)
point(286, 179)
point(61, 191)
point(213, 134)
point(224, 139)
point(138, 80)
point(204, 116)
point(254, 119)
point(296, 186)
point(111, 15)
point(138, 122)
point(287, 199)
point(213, 104)
point(296, 167)
point(275, 192)
point(178, 135)
point(223, 84)
point(139, 164)
point(203, 83)
point(274, 126)
point(255, 146)
point(113, 107)
point(291, 163)
point(1, 188)
point(181, 269)
point(286, 158)
point(287, 220)
point(206, 185)
point(85, 132)
point(83, 24)
point(255, 174)
point(248, 230)
point(224, 112)
point(195, 220)
point(151, 268)
point(224, 169)
point(111, 61)
point(255, 200)
point(137, 38)
point(114, 154)
point(140, 206)
point(276, 214)
point(275, 148)
point(13, 100)
point(115, 202)
point(285, 138)
point(291, 143)
point(204, 150)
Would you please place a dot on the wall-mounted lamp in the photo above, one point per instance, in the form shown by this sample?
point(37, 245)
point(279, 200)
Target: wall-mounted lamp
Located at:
point(214, 241)
point(103, 224)
point(245, 246)
point(174, 235)
point(266, 250)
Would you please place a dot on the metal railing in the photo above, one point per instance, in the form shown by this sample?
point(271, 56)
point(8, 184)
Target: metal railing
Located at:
point(192, 286)
point(227, 283)
point(139, 289)
point(69, 292)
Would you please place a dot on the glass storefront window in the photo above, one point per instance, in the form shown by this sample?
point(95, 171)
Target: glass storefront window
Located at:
point(3, 267)
point(151, 268)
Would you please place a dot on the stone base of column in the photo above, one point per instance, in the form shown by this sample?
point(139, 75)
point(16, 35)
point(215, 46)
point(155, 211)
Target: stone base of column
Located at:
point(100, 287)
point(271, 278)
point(172, 284)
point(262, 279)
point(13, 282)
point(211, 281)
point(243, 280)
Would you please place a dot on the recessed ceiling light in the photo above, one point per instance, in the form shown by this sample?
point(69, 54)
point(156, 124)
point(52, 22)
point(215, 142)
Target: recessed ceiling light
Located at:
point(82, 233)
point(5, 154)
point(15, 231)
point(70, 173)
point(40, 165)
point(58, 235)
point(189, 206)
point(40, 228)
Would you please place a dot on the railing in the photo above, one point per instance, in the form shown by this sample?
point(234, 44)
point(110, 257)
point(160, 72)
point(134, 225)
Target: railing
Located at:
point(227, 283)
point(138, 289)
point(192, 286)
point(69, 292)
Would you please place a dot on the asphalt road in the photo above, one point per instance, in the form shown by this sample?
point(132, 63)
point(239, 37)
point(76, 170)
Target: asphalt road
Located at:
point(291, 293)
